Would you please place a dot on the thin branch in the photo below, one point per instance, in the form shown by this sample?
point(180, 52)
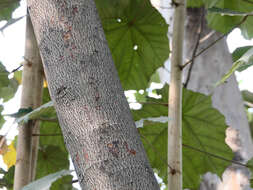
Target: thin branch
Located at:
point(10, 22)
point(248, 1)
point(51, 135)
point(75, 181)
point(154, 103)
point(206, 36)
point(195, 48)
point(47, 119)
point(216, 156)
point(214, 42)
point(14, 70)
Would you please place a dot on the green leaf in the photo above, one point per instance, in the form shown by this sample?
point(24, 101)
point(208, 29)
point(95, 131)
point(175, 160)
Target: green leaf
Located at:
point(52, 135)
point(7, 180)
point(6, 8)
point(238, 53)
point(2, 121)
point(39, 113)
point(195, 3)
point(8, 86)
point(219, 20)
point(64, 183)
point(228, 12)
point(203, 128)
point(18, 76)
point(21, 112)
point(45, 182)
point(137, 37)
point(10, 22)
point(244, 62)
point(250, 166)
point(51, 159)
point(140, 97)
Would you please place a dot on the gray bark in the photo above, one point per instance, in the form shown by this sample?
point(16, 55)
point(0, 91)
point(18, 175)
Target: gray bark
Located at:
point(32, 85)
point(93, 113)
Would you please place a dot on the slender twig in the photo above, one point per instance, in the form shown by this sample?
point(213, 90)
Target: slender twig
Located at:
point(75, 181)
point(200, 28)
point(216, 156)
point(2, 141)
point(248, 1)
point(56, 134)
point(156, 152)
point(155, 103)
point(47, 119)
point(206, 36)
point(14, 70)
point(214, 42)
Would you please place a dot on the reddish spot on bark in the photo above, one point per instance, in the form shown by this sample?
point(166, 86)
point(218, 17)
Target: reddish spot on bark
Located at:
point(67, 36)
point(113, 148)
point(77, 158)
point(85, 108)
point(52, 20)
point(98, 107)
point(61, 18)
point(71, 55)
point(86, 156)
point(68, 27)
point(131, 151)
point(75, 10)
point(97, 96)
point(61, 58)
point(73, 46)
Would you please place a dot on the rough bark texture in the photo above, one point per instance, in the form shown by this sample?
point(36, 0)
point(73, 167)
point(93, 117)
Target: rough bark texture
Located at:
point(32, 84)
point(175, 100)
point(206, 71)
point(93, 112)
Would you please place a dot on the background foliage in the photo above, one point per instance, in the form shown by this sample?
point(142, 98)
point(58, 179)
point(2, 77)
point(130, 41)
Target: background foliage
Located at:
point(137, 36)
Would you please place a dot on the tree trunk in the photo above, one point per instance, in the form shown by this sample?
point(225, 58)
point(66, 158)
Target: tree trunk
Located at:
point(32, 85)
point(93, 113)
point(175, 100)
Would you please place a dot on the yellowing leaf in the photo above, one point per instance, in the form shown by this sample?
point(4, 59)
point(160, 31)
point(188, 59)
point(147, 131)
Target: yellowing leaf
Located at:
point(44, 83)
point(10, 156)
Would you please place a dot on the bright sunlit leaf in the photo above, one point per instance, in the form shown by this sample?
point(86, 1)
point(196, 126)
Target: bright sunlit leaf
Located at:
point(10, 156)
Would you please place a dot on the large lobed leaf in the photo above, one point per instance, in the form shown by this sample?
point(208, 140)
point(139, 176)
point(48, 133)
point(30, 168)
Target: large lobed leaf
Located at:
point(6, 8)
point(51, 159)
point(52, 153)
point(8, 178)
point(238, 53)
point(230, 14)
point(45, 182)
point(8, 86)
point(2, 121)
point(137, 37)
point(223, 15)
point(203, 129)
point(244, 61)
